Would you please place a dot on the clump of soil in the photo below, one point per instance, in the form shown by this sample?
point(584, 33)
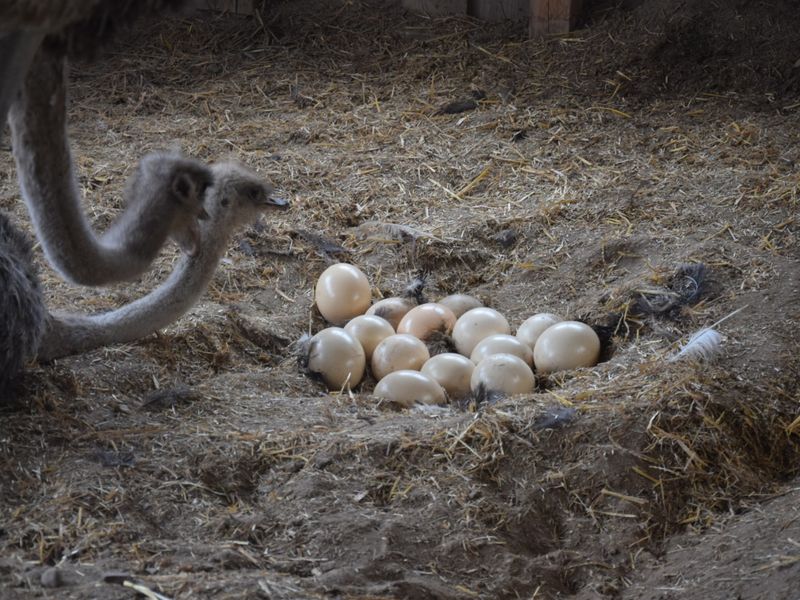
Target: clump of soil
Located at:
point(593, 177)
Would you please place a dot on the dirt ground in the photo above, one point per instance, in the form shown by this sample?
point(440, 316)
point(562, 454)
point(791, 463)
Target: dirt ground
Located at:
point(590, 171)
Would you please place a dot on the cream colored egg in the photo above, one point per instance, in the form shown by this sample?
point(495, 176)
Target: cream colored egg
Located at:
point(398, 352)
point(503, 374)
point(501, 343)
point(408, 388)
point(337, 357)
point(476, 324)
point(532, 327)
point(342, 292)
point(451, 371)
point(392, 309)
point(370, 331)
point(460, 303)
point(566, 345)
point(426, 319)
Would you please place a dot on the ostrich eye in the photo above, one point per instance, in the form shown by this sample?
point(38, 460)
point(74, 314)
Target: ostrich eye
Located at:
point(225, 202)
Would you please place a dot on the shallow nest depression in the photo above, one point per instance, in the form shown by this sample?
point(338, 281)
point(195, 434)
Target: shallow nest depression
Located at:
point(582, 175)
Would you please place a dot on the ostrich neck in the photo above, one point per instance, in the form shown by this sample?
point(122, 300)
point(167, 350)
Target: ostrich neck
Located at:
point(72, 334)
point(51, 193)
point(16, 52)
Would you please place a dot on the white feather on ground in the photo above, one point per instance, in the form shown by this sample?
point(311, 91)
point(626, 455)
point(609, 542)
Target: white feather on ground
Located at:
point(703, 345)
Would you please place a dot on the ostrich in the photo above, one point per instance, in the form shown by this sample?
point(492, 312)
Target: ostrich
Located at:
point(164, 197)
point(236, 197)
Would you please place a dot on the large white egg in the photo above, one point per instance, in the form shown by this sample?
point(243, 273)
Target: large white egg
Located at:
point(504, 374)
point(532, 327)
point(501, 343)
point(398, 352)
point(476, 324)
point(566, 345)
point(426, 319)
point(342, 292)
point(337, 357)
point(409, 387)
point(460, 303)
point(370, 331)
point(451, 371)
point(392, 309)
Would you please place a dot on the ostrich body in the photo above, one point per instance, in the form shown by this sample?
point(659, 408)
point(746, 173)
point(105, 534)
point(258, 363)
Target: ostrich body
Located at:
point(22, 310)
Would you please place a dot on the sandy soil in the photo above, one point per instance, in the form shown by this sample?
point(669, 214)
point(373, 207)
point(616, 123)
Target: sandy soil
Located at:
point(202, 463)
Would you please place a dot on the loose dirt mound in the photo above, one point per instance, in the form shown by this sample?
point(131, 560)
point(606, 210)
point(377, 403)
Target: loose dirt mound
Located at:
point(591, 170)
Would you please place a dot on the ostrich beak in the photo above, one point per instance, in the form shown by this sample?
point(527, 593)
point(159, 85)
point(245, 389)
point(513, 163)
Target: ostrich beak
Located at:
point(278, 202)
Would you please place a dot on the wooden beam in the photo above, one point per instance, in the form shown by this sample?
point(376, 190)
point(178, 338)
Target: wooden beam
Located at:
point(553, 16)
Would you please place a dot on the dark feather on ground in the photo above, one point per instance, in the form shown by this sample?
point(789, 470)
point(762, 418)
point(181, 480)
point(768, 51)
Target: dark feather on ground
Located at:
point(687, 287)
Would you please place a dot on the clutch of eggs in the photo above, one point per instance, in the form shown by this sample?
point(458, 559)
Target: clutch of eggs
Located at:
point(391, 338)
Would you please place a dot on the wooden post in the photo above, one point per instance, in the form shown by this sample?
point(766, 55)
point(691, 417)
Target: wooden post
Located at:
point(553, 16)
